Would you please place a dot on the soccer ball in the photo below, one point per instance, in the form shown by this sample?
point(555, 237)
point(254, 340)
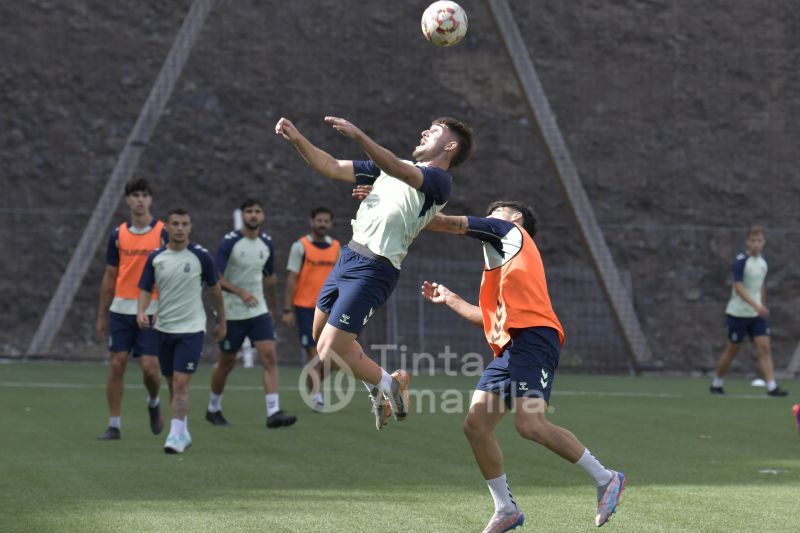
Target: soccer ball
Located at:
point(444, 23)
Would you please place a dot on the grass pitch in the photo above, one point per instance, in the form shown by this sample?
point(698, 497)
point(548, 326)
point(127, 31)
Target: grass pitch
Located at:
point(694, 462)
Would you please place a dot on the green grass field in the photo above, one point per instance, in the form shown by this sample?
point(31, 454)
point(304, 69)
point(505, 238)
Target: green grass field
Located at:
point(694, 462)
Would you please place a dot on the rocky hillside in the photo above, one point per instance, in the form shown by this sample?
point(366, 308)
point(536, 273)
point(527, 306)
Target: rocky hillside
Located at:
point(679, 116)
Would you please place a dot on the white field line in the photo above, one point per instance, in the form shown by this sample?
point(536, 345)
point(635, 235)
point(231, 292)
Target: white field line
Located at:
point(556, 393)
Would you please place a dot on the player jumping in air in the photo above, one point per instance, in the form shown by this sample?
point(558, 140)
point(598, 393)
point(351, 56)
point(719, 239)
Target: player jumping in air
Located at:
point(404, 198)
point(526, 336)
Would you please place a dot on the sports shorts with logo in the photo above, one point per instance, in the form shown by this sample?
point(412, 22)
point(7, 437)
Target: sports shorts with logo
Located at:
point(125, 335)
point(740, 327)
point(258, 328)
point(179, 352)
point(526, 367)
point(304, 317)
point(356, 288)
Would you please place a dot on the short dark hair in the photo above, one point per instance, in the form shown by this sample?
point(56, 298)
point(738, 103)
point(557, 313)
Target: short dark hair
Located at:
point(179, 211)
point(755, 230)
point(250, 202)
point(138, 185)
point(529, 220)
point(463, 134)
point(321, 209)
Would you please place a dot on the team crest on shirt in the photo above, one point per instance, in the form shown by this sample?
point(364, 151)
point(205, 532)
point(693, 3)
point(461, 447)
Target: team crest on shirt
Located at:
point(187, 268)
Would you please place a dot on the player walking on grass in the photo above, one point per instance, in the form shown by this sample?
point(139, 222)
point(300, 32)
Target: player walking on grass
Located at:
point(311, 259)
point(404, 198)
point(747, 315)
point(179, 269)
point(526, 337)
point(246, 262)
point(128, 247)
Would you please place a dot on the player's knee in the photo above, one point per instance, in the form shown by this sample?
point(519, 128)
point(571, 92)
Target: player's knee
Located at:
point(117, 365)
point(475, 425)
point(530, 429)
point(269, 358)
point(226, 363)
point(150, 366)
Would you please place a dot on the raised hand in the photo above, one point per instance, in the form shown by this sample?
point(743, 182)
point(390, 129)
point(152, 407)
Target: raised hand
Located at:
point(344, 127)
point(287, 130)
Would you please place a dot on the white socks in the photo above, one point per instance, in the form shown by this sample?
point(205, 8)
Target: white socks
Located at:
point(592, 466)
point(385, 384)
point(115, 422)
point(176, 427)
point(215, 403)
point(179, 426)
point(153, 402)
point(273, 406)
point(318, 398)
point(501, 494)
point(771, 385)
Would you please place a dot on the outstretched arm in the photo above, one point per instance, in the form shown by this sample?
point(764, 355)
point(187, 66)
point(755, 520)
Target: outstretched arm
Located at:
point(439, 294)
point(385, 159)
point(448, 224)
point(318, 159)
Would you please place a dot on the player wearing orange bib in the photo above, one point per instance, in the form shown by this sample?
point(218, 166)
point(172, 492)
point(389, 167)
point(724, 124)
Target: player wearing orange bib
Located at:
point(311, 259)
point(525, 336)
point(126, 255)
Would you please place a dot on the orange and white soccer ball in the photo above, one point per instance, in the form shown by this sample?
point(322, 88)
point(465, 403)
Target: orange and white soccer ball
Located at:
point(444, 23)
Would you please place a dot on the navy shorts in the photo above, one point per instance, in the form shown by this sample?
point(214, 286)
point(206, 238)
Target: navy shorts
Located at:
point(527, 366)
point(258, 328)
point(304, 316)
point(125, 335)
point(179, 352)
point(739, 327)
point(356, 288)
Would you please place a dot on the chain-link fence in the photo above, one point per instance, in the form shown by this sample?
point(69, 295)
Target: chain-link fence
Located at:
point(681, 133)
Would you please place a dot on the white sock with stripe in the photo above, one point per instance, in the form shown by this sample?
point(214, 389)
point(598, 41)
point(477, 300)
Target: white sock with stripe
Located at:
point(501, 494)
